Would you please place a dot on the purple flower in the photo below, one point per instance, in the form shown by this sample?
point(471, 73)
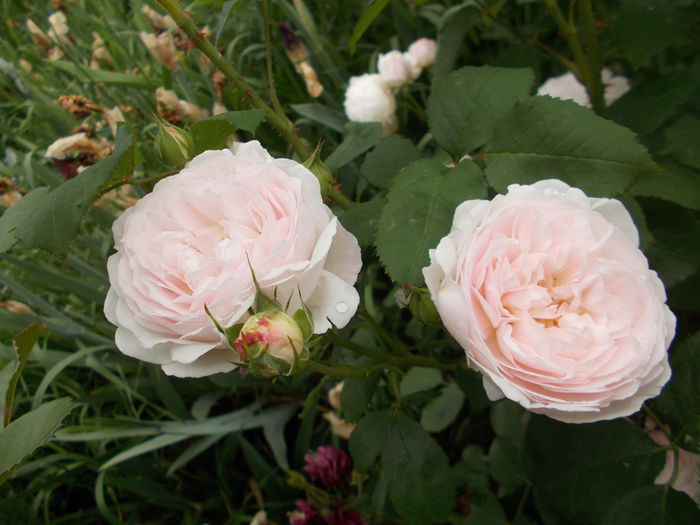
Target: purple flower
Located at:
point(341, 516)
point(306, 515)
point(328, 465)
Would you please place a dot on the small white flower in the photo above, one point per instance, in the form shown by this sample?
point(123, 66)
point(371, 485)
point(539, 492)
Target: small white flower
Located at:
point(394, 68)
point(369, 99)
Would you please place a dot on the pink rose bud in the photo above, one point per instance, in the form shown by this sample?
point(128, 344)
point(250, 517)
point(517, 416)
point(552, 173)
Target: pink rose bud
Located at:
point(421, 54)
point(272, 343)
point(394, 68)
point(328, 465)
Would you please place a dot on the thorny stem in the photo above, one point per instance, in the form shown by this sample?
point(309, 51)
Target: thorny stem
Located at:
point(268, 59)
point(587, 59)
point(277, 120)
point(142, 180)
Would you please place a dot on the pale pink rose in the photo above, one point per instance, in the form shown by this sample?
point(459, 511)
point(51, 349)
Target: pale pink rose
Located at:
point(421, 54)
point(369, 99)
point(189, 243)
point(394, 68)
point(553, 302)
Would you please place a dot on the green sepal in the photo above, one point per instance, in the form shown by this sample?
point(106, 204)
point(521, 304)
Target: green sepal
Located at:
point(317, 496)
point(316, 166)
point(216, 323)
point(232, 332)
point(262, 302)
point(303, 318)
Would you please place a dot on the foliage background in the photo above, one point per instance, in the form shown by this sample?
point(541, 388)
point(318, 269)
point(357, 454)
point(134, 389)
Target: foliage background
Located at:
point(141, 447)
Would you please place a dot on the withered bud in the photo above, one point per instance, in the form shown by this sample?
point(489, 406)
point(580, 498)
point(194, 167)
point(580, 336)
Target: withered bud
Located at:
point(218, 79)
point(295, 48)
point(78, 106)
point(84, 128)
point(8, 193)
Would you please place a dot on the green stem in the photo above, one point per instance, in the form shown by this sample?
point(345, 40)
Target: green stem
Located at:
point(268, 59)
point(421, 360)
point(337, 371)
point(276, 118)
point(594, 86)
point(586, 66)
point(356, 347)
point(340, 198)
point(394, 344)
point(142, 180)
point(282, 123)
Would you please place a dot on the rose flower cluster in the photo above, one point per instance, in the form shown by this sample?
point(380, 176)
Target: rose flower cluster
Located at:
point(544, 287)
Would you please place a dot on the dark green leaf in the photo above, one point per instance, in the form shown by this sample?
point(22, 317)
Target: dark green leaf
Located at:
point(387, 158)
point(674, 183)
point(367, 17)
point(655, 505)
point(644, 28)
point(441, 412)
point(22, 343)
point(418, 379)
point(419, 211)
point(362, 220)
point(247, 120)
point(648, 105)
point(582, 470)
point(24, 435)
point(367, 440)
point(210, 134)
point(564, 141)
point(354, 398)
point(359, 137)
point(417, 472)
point(682, 141)
point(680, 399)
point(49, 219)
point(324, 115)
point(465, 105)
point(508, 464)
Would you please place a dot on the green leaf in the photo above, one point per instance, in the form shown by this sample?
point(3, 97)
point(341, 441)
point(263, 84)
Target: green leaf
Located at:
point(486, 510)
point(22, 343)
point(354, 398)
point(156, 443)
point(417, 472)
point(656, 505)
point(649, 104)
point(247, 120)
point(465, 105)
point(419, 379)
point(644, 28)
point(321, 114)
point(89, 75)
point(49, 219)
point(441, 412)
point(24, 435)
point(582, 470)
point(564, 141)
point(680, 399)
point(508, 464)
point(387, 158)
point(420, 207)
point(367, 17)
point(682, 141)
point(211, 134)
point(367, 440)
point(362, 220)
point(359, 137)
point(674, 183)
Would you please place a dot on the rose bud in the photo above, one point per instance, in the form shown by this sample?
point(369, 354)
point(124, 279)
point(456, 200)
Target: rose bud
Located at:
point(421, 54)
point(394, 68)
point(174, 145)
point(271, 343)
point(369, 99)
point(423, 309)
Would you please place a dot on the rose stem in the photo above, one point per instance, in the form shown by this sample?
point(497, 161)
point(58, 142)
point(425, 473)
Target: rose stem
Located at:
point(279, 121)
point(337, 371)
point(587, 65)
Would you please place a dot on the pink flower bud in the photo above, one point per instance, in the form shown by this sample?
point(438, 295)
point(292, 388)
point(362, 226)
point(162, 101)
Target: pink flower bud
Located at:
point(394, 68)
point(271, 334)
point(421, 54)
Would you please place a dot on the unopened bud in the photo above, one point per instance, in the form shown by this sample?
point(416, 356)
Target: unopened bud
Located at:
point(316, 166)
point(271, 343)
point(174, 145)
point(423, 308)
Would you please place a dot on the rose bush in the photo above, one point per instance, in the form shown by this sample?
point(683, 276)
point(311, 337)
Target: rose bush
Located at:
point(553, 302)
point(192, 242)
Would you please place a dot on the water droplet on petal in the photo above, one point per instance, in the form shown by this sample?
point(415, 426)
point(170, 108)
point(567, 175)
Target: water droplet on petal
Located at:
point(341, 307)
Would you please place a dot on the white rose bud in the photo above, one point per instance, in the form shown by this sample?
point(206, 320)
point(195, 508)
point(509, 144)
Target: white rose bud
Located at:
point(420, 54)
point(271, 334)
point(369, 99)
point(394, 68)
